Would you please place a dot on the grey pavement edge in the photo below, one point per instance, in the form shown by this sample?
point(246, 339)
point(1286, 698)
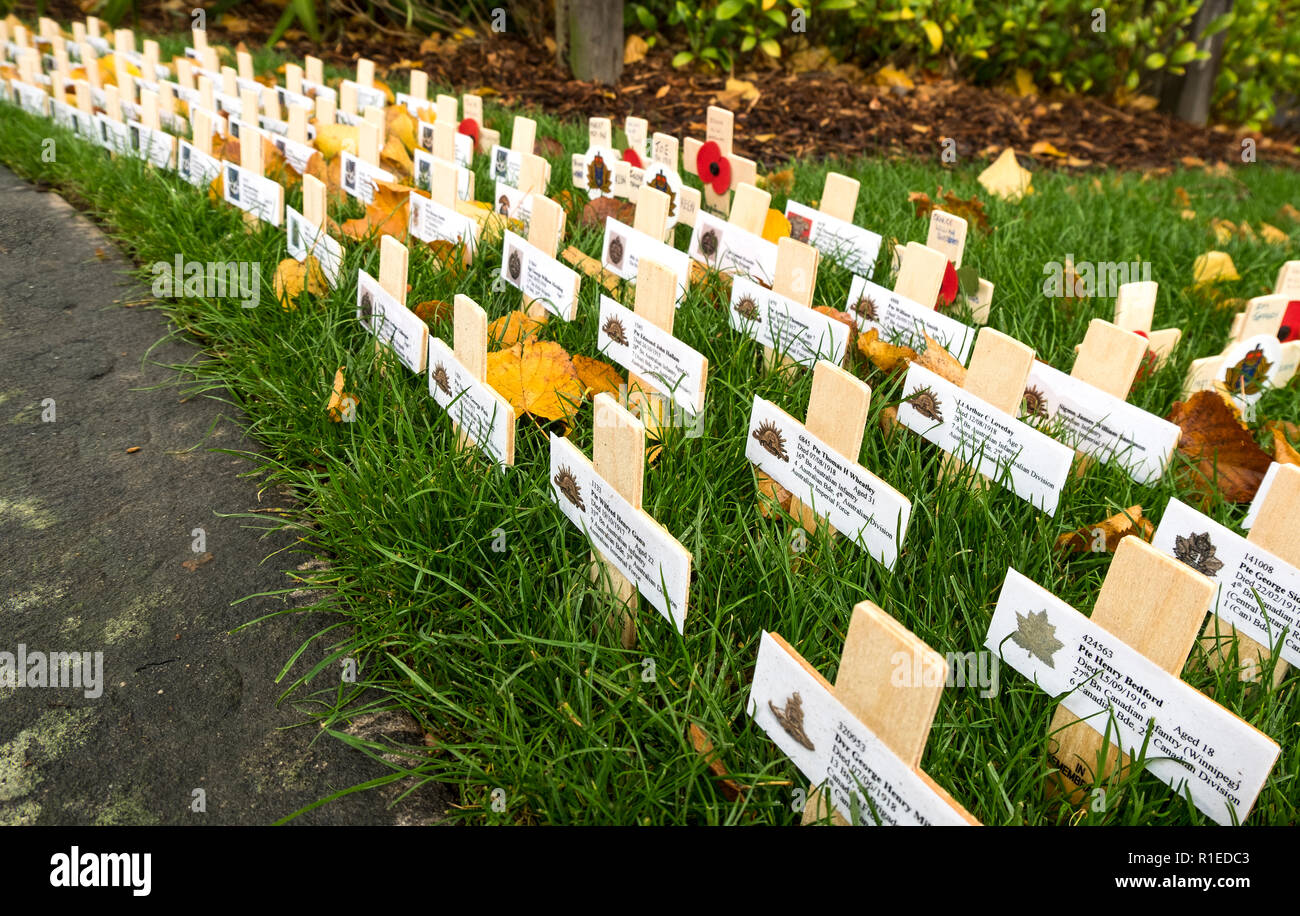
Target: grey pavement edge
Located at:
point(93, 547)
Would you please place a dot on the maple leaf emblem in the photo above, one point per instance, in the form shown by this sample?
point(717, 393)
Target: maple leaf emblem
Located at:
point(1198, 552)
point(1036, 636)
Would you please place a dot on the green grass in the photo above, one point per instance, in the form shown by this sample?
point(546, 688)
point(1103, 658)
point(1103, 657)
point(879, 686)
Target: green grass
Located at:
point(496, 651)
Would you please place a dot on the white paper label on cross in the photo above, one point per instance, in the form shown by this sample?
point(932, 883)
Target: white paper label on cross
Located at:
point(196, 166)
point(1197, 746)
point(795, 331)
point(153, 146)
point(1029, 463)
point(626, 537)
point(831, 746)
point(660, 359)
point(31, 99)
point(253, 193)
point(540, 277)
point(425, 168)
point(856, 502)
point(1099, 424)
point(1242, 571)
point(431, 221)
point(900, 319)
point(359, 177)
point(482, 414)
point(718, 244)
point(304, 239)
point(391, 322)
point(852, 247)
point(624, 247)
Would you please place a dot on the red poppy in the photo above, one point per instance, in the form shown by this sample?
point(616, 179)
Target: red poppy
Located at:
point(1148, 365)
point(948, 289)
point(633, 157)
point(469, 127)
point(1290, 327)
point(713, 168)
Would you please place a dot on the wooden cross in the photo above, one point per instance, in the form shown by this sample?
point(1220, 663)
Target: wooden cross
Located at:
point(523, 135)
point(471, 107)
point(795, 278)
point(664, 156)
point(618, 457)
point(1109, 358)
point(1153, 603)
point(655, 300)
point(719, 126)
point(326, 112)
point(314, 207)
point(393, 262)
point(90, 65)
point(1275, 530)
point(837, 414)
point(1263, 315)
point(470, 350)
point(251, 160)
point(545, 229)
point(897, 711)
point(1135, 308)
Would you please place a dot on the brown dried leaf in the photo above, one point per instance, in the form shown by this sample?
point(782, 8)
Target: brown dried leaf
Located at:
point(1106, 535)
point(1220, 448)
point(433, 310)
point(595, 212)
point(941, 362)
point(704, 747)
point(769, 491)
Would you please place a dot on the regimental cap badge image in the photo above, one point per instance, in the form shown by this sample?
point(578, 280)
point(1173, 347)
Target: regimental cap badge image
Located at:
point(514, 264)
point(791, 719)
point(598, 174)
point(1037, 636)
point(567, 484)
point(746, 308)
point(1035, 402)
point(503, 206)
point(616, 249)
point(441, 379)
point(771, 439)
point(800, 228)
point(660, 183)
point(1248, 376)
point(866, 309)
point(709, 243)
point(614, 330)
point(1198, 552)
point(927, 405)
point(367, 308)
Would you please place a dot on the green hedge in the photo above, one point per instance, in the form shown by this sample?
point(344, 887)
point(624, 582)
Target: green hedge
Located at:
point(1114, 48)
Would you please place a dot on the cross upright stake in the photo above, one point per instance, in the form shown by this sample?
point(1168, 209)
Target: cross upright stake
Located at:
point(655, 300)
point(618, 455)
point(837, 414)
point(486, 409)
point(1135, 309)
point(795, 278)
point(545, 229)
point(865, 733)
